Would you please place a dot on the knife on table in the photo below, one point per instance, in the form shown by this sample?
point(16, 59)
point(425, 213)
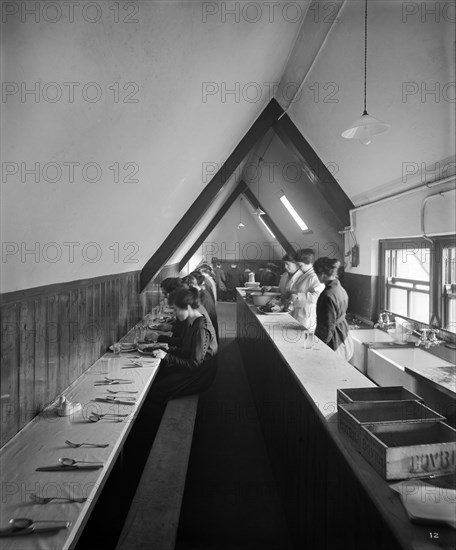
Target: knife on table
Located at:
point(115, 401)
point(63, 468)
point(14, 532)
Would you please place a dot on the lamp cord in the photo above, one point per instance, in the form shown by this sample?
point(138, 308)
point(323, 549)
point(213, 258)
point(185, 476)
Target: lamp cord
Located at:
point(365, 59)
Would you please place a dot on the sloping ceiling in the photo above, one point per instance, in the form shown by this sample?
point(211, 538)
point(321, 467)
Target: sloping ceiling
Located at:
point(164, 111)
point(411, 52)
point(176, 62)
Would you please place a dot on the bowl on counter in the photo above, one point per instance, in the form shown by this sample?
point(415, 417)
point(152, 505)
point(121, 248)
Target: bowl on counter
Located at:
point(262, 299)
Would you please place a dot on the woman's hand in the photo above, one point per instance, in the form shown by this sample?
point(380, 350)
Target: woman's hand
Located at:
point(159, 354)
point(151, 336)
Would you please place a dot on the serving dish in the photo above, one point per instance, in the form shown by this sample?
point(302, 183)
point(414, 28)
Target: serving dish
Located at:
point(265, 312)
point(126, 347)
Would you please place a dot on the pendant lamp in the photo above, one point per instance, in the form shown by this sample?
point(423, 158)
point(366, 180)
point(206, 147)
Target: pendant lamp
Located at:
point(240, 224)
point(367, 126)
point(258, 212)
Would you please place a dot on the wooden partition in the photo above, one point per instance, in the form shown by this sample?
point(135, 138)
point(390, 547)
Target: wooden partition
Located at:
point(50, 335)
point(325, 503)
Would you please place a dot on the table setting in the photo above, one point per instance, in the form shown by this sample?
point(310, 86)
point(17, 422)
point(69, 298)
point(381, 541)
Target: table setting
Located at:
point(51, 471)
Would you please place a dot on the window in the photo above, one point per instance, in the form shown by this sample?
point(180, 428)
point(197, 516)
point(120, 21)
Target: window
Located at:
point(418, 279)
point(449, 288)
point(297, 218)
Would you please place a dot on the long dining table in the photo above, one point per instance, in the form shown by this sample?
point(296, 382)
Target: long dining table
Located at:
point(43, 442)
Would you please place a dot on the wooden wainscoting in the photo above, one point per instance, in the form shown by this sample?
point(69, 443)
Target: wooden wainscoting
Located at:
point(50, 335)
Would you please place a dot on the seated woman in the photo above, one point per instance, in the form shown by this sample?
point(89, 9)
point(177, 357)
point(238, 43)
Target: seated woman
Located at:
point(176, 327)
point(196, 280)
point(332, 304)
point(190, 368)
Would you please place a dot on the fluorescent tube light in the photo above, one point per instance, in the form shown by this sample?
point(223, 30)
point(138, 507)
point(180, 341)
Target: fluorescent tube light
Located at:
point(264, 223)
point(297, 218)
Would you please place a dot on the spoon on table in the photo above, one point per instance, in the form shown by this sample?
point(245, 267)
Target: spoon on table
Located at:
point(76, 445)
point(120, 391)
point(72, 462)
point(45, 500)
point(95, 417)
point(23, 523)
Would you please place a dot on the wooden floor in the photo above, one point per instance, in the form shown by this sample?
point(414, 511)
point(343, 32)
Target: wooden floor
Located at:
point(230, 500)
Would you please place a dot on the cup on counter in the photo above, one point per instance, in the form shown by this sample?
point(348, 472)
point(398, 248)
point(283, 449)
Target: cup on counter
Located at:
point(117, 348)
point(309, 339)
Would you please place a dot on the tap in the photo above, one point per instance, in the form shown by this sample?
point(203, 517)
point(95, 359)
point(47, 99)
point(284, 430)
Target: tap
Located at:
point(385, 321)
point(428, 338)
point(432, 338)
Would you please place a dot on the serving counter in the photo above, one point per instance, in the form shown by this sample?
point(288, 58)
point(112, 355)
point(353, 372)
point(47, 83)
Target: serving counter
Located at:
point(332, 497)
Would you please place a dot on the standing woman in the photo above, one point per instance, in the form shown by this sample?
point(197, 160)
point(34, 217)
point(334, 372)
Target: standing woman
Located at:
point(306, 290)
point(288, 279)
point(332, 304)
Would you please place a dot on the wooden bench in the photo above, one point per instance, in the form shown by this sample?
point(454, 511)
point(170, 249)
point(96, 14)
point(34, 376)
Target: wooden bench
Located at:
point(153, 518)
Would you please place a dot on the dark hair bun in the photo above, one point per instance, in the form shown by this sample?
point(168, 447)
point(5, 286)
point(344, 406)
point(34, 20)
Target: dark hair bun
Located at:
point(184, 297)
point(327, 266)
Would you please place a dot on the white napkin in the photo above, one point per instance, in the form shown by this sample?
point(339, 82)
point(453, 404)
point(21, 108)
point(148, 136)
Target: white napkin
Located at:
point(426, 503)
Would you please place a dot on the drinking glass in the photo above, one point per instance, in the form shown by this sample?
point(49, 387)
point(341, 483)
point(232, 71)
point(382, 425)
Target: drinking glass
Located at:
point(309, 339)
point(117, 348)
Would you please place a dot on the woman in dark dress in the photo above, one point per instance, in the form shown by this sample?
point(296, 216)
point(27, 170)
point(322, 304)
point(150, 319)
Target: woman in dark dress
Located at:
point(185, 370)
point(190, 368)
point(332, 304)
point(196, 280)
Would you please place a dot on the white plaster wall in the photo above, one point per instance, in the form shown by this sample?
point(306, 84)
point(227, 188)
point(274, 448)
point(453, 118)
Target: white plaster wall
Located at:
point(401, 217)
point(167, 135)
point(280, 171)
point(251, 243)
point(411, 51)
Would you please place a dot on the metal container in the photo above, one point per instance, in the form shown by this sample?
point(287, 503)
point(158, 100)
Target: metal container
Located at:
point(372, 395)
point(409, 449)
point(352, 416)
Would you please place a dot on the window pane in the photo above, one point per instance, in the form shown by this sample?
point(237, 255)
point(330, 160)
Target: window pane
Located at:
point(449, 265)
point(450, 322)
point(419, 306)
point(449, 280)
point(398, 301)
point(413, 263)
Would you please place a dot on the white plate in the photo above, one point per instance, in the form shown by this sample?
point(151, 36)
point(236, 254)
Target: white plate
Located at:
point(155, 346)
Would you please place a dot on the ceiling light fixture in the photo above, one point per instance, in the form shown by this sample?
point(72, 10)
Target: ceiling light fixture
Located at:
point(258, 212)
point(367, 126)
point(240, 224)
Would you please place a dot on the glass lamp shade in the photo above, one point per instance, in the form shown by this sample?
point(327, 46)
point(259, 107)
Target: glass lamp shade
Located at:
point(365, 128)
point(258, 212)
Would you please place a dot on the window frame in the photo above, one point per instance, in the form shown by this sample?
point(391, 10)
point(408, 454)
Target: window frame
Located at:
point(437, 304)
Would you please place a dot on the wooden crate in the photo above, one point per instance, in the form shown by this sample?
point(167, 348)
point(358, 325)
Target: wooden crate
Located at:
point(389, 393)
point(352, 416)
point(409, 449)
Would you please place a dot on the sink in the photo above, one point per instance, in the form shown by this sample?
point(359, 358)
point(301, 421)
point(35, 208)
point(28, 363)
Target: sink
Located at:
point(413, 358)
point(370, 335)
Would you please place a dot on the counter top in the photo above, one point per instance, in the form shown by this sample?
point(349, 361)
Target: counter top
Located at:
point(319, 376)
point(42, 443)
